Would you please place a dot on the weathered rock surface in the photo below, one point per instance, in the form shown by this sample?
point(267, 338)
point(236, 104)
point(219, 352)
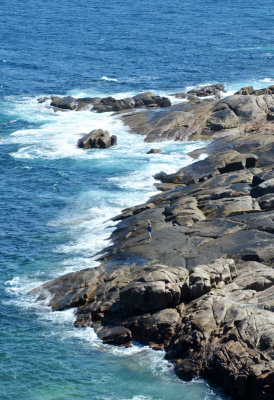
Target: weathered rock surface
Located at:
point(215, 321)
point(247, 111)
point(193, 95)
point(202, 287)
point(97, 139)
point(209, 90)
point(108, 104)
point(225, 336)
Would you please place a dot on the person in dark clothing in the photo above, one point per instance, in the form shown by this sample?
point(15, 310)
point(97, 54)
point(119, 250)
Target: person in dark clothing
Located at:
point(149, 226)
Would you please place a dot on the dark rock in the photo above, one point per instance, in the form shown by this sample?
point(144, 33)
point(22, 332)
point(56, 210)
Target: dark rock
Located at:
point(270, 116)
point(114, 334)
point(202, 287)
point(67, 103)
point(155, 151)
point(125, 104)
point(193, 99)
point(247, 90)
point(211, 90)
point(263, 188)
point(113, 140)
point(142, 100)
point(97, 139)
point(143, 96)
point(179, 95)
point(155, 330)
point(266, 202)
point(42, 99)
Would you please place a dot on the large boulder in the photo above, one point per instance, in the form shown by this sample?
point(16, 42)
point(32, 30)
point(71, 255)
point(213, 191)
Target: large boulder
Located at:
point(97, 139)
point(70, 103)
point(246, 108)
point(66, 103)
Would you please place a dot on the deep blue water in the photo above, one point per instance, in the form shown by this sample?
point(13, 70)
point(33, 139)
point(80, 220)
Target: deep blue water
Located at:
point(56, 200)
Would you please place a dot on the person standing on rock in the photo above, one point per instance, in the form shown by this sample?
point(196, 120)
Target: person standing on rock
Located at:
point(149, 226)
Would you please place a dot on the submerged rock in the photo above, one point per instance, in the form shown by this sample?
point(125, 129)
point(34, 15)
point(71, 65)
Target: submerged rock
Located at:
point(155, 151)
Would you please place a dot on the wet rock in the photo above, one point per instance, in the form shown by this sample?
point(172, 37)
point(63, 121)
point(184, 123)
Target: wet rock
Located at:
point(210, 90)
point(155, 151)
point(97, 139)
point(118, 335)
point(247, 90)
point(67, 103)
point(42, 99)
point(179, 95)
point(156, 330)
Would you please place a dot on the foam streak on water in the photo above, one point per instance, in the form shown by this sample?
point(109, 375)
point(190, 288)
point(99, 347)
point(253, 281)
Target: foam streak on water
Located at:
point(57, 200)
point(72, 195)
point(122, 176)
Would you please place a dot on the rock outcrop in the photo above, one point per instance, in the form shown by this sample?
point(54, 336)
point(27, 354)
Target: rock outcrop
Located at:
point(209, 90)
point(215, 321)
point(247, 111)
point(109, 104)
point(202, 287)
point(97, 139)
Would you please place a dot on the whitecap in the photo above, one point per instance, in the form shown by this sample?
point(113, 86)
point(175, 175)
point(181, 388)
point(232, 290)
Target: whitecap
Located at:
point(268, 80)
point(202, 156)
point(106, 78)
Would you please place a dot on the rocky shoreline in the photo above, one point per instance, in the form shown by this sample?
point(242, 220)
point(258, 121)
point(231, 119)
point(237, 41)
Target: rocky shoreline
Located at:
point(202, 287)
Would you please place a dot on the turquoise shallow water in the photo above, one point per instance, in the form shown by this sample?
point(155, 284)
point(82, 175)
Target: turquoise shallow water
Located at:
point(56, 200)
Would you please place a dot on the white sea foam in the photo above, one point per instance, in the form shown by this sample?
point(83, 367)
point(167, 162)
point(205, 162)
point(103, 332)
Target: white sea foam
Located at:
point(202, 156)
point(232, 87)
point(143, 355)
point(175, 100)
point(191, 87)
point(57, 137)
point(87, 218)
point(268, 80)
point(19, 287)
point(106, 78)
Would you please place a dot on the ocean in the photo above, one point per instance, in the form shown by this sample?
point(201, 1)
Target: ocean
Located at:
point(57, 200)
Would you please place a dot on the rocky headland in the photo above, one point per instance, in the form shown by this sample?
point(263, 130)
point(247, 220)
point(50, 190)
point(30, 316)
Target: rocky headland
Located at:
point(202, 287)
